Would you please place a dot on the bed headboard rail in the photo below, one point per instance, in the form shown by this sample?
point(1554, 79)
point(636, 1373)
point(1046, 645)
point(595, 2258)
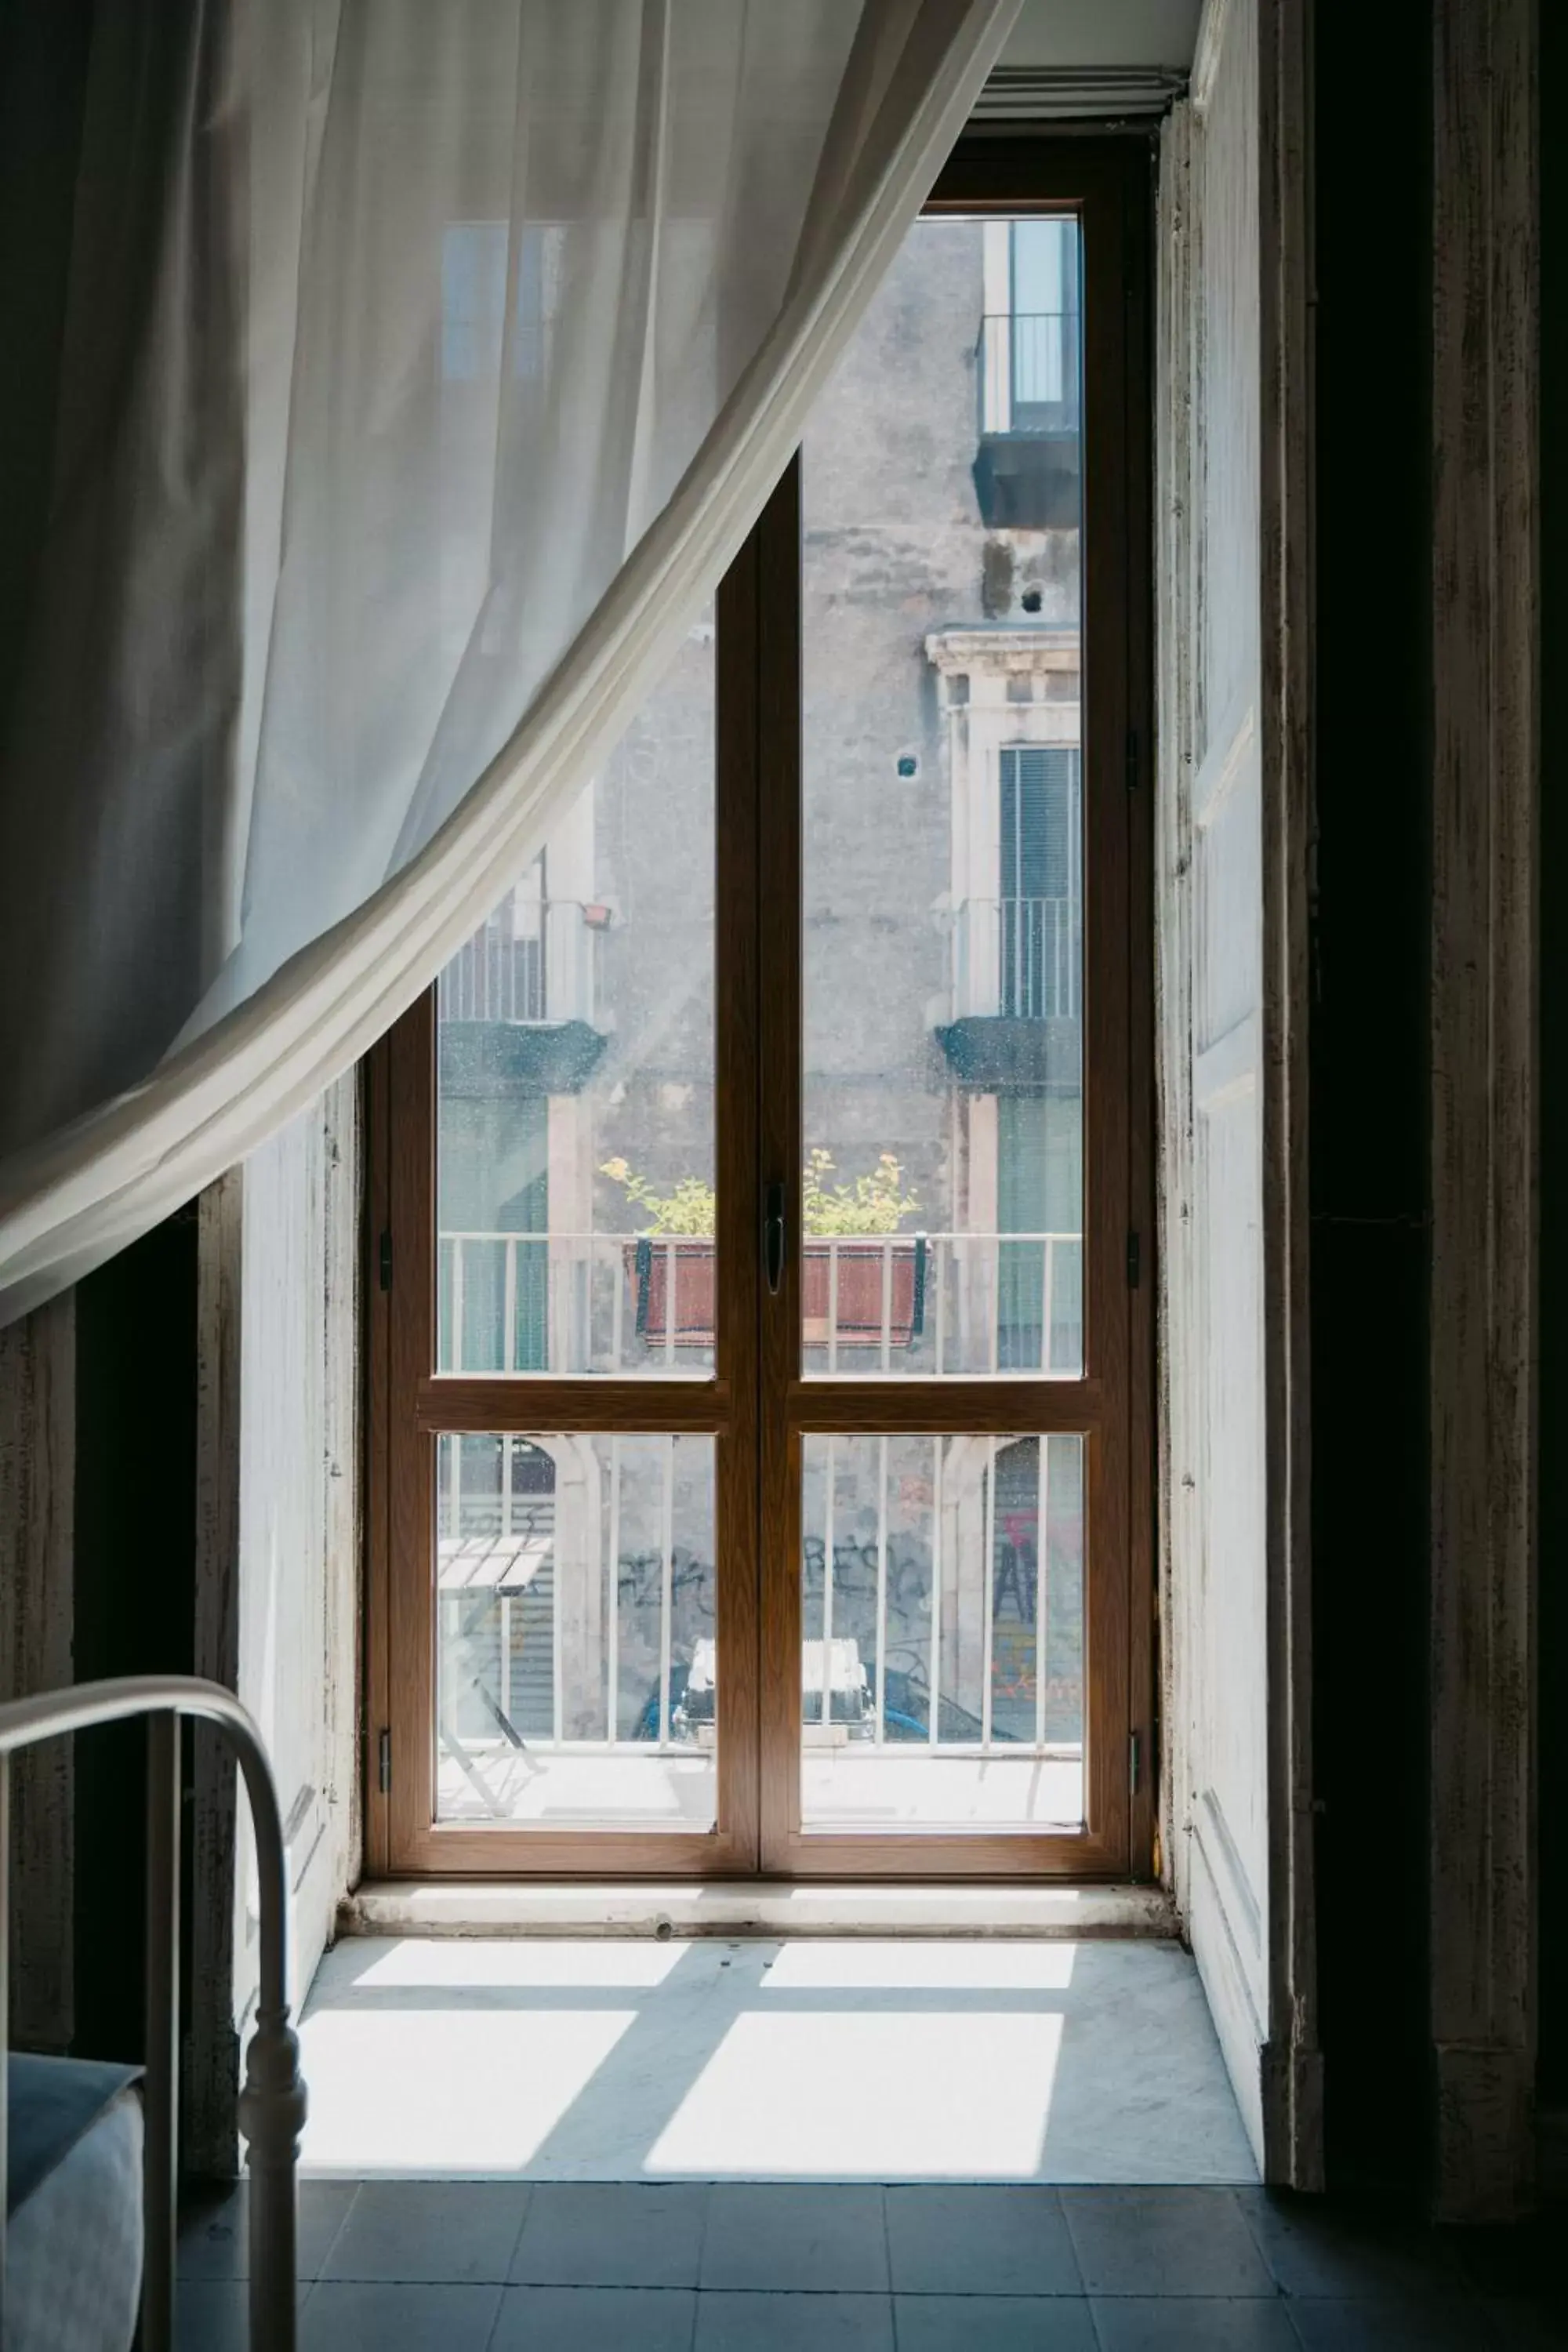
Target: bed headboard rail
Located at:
point(272, 2103)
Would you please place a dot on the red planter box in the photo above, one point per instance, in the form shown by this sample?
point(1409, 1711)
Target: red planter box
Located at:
point(648, 1266)
point(859, 1318)
point(860, 1300)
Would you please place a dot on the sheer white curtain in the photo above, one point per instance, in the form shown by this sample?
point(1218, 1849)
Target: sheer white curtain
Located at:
point(464, 345)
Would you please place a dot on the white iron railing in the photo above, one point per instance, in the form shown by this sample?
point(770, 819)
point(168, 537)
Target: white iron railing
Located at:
point(984, 1574)
point(501, 1563)
point(1021, 958)
point(533, 961)
point(483, 1576)
point(1027, 371)
point(937, 1305)
point(492, 1551)
point(272, 2104)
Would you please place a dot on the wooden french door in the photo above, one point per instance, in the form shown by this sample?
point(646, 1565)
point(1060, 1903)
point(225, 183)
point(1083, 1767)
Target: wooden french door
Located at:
point(760, 1331)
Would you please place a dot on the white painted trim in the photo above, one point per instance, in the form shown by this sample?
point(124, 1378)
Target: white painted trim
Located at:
point(1254, 1943)
point(1228, 1065)
point(1076, 93)
point(1214, 26)
point(746, 1907)
point(1174, 584)
point(278, 1567)
point(1232, 747)
point(1292, 2060)
point(1227, 1984)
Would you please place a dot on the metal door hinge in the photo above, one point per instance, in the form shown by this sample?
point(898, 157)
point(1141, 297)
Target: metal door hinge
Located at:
point(385, 1259)
point(1133, 1762)
point(383, 1765)
point(1134, 1261)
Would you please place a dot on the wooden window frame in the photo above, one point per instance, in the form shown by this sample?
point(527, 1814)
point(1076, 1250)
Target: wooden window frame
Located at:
point(758, 1088)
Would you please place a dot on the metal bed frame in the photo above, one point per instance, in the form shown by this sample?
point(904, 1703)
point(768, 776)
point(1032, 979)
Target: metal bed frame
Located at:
point(272, 2103)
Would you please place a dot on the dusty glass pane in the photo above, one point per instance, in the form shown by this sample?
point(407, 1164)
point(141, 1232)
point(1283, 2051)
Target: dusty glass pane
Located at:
point(575, 1628)
point(574, 1074)
point(944, 867)
point(942, 1619)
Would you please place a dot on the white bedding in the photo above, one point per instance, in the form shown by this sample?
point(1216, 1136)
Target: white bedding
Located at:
point(74, 2249)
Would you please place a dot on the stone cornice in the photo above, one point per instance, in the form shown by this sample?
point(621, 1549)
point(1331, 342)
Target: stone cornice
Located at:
point(1005, 650)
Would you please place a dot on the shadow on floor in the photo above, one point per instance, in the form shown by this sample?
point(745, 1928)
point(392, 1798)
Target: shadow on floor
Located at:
point(452, 2267)
point(814, 2059)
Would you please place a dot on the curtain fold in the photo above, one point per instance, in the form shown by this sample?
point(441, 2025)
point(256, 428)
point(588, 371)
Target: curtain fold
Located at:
point(471, 341)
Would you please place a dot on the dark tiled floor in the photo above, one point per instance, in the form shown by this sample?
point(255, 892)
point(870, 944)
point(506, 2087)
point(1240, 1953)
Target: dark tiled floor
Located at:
point(399, 2266)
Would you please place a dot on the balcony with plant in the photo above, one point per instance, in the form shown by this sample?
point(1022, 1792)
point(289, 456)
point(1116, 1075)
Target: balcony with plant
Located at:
point(862, 1278)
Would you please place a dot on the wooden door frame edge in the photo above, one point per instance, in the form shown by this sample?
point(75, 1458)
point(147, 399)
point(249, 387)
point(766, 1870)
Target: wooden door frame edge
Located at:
point(1289, 2084)
point(1484, 1173)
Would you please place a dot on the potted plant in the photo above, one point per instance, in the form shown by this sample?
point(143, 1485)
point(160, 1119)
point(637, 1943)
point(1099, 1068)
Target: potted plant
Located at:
point(853, 1254)
point(852, 1249)
point(677, 1238)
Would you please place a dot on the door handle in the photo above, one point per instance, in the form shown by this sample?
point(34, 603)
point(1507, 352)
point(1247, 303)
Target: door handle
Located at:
point(774, 1238)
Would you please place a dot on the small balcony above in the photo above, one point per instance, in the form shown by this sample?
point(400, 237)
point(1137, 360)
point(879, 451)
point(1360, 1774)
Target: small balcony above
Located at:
point(1016, 995)
point(517, 1003)
point(1017, 958)
point(1028, 468)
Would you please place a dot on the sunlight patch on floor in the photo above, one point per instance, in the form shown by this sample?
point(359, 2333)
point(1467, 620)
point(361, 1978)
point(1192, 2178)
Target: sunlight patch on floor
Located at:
point(599, 2059)
point(874, 2098)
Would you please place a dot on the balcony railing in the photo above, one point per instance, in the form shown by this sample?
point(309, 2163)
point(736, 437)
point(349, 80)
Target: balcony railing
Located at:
point(532, 962)
point(1027, 364)
point(505, 1579)
point(1017, 958)
point(562, 1642)
point(938, 1304)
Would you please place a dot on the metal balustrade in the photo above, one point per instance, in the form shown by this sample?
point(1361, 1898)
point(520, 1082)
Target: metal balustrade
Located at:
point(820, 1655)
point(272, 2104)
point(1021, 959)
point(942, 1304)
point(1027, 366)
point(534, 960)
point(514, 1556)
point(497, 1547)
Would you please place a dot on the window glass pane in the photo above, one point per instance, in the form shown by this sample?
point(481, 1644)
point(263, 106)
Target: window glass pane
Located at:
point(1040, 269)
point(941, 1614)
point(574, 1038)
point(944, 875)
point(1042, 328)
point(575, 1629)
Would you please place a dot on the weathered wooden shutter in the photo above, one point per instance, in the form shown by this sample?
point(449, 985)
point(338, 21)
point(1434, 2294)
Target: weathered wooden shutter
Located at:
point(1231, 890)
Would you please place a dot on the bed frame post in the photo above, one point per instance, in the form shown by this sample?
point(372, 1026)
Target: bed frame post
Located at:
point(160, 2150)
point(5, 2012)
point(271, 2117)
point(272, 2104)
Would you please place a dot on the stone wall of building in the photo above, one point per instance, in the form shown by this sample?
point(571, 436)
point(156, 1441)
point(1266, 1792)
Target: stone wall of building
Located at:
point(894, 549)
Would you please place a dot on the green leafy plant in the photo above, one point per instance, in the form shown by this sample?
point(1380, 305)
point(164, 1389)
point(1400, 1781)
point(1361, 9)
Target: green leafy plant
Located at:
point(876, 1203)
point(690, 1208)
point(873, 1204)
